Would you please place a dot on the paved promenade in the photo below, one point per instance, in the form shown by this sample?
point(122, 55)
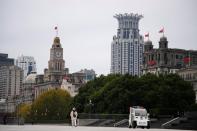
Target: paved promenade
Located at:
point(68, 128)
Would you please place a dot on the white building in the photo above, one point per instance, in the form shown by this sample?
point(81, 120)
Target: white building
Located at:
point(27, 63)
point(88, 74)
point(28, 89)
point(127, 46)
point(69, 87)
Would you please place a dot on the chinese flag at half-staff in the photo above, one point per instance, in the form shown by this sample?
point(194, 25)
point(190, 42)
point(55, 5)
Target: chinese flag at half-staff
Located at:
point(161, 31)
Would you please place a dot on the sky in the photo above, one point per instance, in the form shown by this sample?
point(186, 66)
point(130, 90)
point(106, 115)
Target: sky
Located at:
point(86, 28)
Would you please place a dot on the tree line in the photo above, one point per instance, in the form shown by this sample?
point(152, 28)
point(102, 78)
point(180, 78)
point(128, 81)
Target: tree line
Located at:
point(114, 94)
point(163, 94)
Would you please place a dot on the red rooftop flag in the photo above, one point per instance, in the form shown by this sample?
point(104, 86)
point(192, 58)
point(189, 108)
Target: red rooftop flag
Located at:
point(147, 35)
point(161, 31)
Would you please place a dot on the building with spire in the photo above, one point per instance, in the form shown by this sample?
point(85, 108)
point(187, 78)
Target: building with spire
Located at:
point(166, 60)
point(127, 46)
point(56, 62)
point(54, 74)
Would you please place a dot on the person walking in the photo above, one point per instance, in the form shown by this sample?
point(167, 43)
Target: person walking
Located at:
point(73, 116)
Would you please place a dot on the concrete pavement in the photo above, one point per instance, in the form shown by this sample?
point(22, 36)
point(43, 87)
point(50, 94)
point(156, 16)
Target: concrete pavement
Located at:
point(68, 128)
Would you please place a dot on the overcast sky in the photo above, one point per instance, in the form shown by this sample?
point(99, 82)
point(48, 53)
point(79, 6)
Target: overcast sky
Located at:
point(86, 28)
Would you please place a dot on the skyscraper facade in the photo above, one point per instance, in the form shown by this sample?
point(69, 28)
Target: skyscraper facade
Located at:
point(5, 61)
point(127, 46)
point(27, 63)
point(10, 86)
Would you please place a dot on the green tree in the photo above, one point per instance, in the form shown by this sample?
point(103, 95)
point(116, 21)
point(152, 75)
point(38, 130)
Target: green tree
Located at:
point(52, 105)
point(115, 93)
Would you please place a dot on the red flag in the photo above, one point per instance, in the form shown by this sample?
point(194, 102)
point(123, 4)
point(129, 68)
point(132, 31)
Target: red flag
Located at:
point(152, 62)
point(187, 59)
point(147, 35)
point(161, 31)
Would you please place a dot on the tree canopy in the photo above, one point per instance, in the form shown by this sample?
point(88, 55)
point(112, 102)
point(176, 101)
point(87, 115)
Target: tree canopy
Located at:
point(116, 93)
point(52, 105)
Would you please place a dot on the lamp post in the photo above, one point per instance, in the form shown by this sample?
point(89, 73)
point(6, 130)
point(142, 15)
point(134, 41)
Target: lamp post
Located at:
point(35, 116)
point(18, 103)
point(7, 105)
point(90, 107)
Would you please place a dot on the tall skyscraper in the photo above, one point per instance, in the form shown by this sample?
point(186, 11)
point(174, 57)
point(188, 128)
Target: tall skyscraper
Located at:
point(27, 63)
point(127, 46)
point(5, 61)
point(10, 86)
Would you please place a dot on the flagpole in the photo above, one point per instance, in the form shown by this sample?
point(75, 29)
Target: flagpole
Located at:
point(57, 31)
point(189, 59)
point(163, 31)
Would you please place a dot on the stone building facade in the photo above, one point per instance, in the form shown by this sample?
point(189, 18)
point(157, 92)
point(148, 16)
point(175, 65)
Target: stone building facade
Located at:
point(28, 89)
point(166, 60)
point(53, 75)
point(190, 74)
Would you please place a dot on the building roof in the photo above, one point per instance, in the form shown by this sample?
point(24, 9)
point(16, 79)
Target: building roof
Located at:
point(30, 78)
point(148, 42)
point(163, 38)
point(56, 42)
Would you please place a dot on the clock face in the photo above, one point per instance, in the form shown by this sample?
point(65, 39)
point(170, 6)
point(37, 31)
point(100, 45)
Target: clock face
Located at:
point(58, 54)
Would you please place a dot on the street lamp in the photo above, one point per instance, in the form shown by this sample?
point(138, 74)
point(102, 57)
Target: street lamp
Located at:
point(7, 105)
point(90, 104)
point(35, 116)
point(18, 103)
point(46, 112)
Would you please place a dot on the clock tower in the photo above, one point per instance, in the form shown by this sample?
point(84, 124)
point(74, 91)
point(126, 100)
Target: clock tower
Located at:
point(56, 63)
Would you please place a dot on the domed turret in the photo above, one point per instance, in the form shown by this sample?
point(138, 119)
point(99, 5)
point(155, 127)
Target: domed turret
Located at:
point(148, 45)
point(31, 78)
point(56, 42)
point(163, 43)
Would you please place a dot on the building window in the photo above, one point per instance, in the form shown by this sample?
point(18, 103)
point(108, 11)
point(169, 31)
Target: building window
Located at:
point(124, 34)
point(165, 58)
point(177, 56)
point(152, 57)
